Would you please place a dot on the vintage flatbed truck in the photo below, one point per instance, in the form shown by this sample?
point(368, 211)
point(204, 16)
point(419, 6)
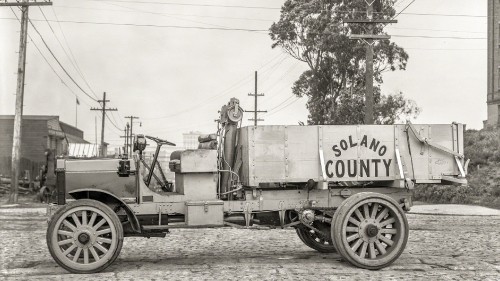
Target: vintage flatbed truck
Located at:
point(344, 189)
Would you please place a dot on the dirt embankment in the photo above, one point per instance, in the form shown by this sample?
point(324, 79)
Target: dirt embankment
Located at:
point(483, 149)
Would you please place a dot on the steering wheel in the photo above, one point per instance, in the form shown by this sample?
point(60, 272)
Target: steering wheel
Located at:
point(160, 141)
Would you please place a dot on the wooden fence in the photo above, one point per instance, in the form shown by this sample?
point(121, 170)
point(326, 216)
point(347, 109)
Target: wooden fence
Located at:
point(26, 165)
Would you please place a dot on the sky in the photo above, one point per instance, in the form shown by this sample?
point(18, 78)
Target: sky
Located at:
point(174, 64)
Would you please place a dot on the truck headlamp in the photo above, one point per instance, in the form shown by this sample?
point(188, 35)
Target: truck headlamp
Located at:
point(140, 143)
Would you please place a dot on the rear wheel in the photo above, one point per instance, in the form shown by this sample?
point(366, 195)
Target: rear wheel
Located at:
point(370, 230)
point(85, 236)
point(319, 241)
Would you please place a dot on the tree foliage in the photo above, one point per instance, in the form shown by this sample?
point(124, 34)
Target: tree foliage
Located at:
point(313, 31)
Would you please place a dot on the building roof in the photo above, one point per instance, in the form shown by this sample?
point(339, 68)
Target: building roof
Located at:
point(71, 126)
point(31, 117)
point(67, 129)
point(75, 139)
point(71, 130)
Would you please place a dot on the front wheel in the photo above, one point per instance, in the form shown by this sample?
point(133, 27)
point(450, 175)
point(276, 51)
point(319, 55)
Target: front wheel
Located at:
point(85, 236)
point(370, 230)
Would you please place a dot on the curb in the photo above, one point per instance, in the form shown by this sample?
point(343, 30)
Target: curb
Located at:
point(454, 210)
point(37, 211)
point(450, 215)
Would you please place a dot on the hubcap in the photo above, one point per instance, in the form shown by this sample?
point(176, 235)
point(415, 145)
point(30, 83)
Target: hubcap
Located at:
point(83, 238)
point(371, 230)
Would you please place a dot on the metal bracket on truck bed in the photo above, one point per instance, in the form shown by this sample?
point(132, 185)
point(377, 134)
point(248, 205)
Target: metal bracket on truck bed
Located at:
point(457, 156)
point(430, 143)
point(460, 168)
point(407, 181)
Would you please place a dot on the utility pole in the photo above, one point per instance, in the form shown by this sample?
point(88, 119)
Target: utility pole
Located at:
point(21, 71)
point(103, 109)
point(131, 133)
point(95, 124)
point(369, 39)
point(255, 111)
point(76, 112)
point(126, 136)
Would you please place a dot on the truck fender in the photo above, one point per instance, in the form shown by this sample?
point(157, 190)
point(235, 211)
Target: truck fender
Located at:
point(106, 197)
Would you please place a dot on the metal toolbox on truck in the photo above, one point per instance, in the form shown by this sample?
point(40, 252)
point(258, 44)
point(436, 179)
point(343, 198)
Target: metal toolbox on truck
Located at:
point(357, 153)
point(205, 213)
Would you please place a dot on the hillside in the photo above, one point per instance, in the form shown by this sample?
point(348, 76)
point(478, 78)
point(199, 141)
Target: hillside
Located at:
point(483, 149)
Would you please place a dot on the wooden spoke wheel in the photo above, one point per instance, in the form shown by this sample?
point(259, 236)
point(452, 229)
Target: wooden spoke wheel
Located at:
point(321, 242)
point(85, 236)
point(370, 230)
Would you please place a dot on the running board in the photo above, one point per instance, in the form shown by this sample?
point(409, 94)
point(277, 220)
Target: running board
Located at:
point(170, 226)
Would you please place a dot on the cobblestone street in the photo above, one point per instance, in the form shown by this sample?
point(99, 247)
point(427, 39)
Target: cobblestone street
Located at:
point(439, 248)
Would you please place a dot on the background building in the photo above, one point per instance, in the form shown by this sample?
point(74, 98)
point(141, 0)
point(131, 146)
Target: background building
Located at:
point(190, 140)
point(38, 134)
point(493, 99)
point(163, 158)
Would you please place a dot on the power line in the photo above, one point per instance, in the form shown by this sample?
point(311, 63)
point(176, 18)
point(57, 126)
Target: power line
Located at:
point(120, 122)
point(71, 53)
point(444, 49)
point(159, 14)
point(176, 129)
point(439, 37)
point(285, 74)
point(58, 62)
point(165, 26)
point(444, 15)
point(269, 20)
point(48, 63)
point(65, 52)
point(272, 113)
point(190, 4)
point(278, 8)
point(236, 85)
point(222, 29)
point(404, 9)
point(168, 14)
point(289, 98)
point(113, 123)
point(438, 30)
point(272, 69)
point(203, 102)
point(51, 67)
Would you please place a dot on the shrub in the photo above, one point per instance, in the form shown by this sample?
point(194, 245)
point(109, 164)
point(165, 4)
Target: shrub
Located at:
point(482, 147)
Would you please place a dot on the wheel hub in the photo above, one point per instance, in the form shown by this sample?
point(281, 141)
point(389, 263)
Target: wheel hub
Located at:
point(83, 238)
point(371, 230)
point(307, 216)
point(368, 230)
